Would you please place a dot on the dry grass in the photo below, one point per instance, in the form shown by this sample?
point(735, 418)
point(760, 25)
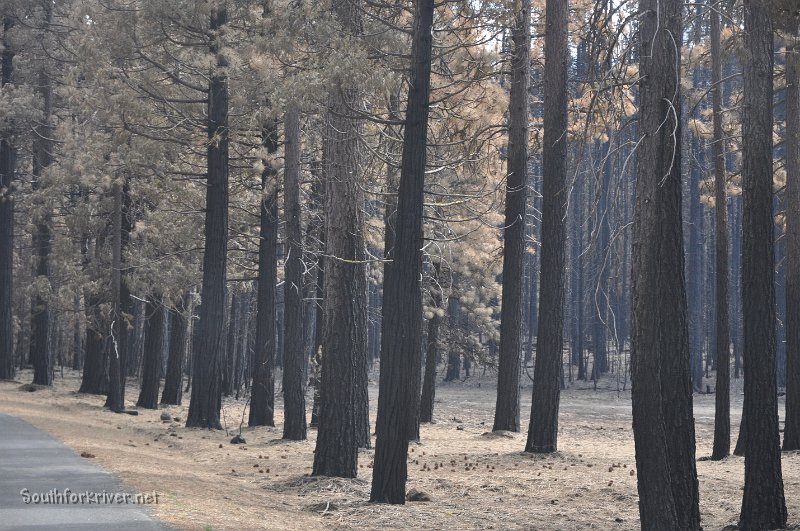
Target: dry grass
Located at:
point(475, 479)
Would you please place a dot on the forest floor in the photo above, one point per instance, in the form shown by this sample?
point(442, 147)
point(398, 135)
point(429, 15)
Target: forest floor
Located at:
point(475, 479)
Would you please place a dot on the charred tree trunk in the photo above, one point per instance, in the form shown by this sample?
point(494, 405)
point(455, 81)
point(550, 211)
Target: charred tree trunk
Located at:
point(533, 291)
point(661, 393)
point(429, 378)
point(763, 503)
point(173, 388)
point(453, 371)
point(389, 221)
point(791, 435)
point(543, 428)
point(575, 293)
point(77, 339)
point(232, 334)
point(94, 379)
point(243, 345)
point(694, 274)
point(342, 423)
point(153, 353)
point(431, 356)
point(722, 414)
point(579, 297)
point(126, 302)
point(40, 353)
point(736, 292)
point(115, 400)
point(780, 297)
point(7, 168)
point(262, 402)
point(396, 399)
point(294, 388)
point(600, 300)
point(506, 413)
point(206, 398)
point(319, 327)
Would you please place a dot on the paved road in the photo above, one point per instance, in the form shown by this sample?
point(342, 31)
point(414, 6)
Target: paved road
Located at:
point(31, 459)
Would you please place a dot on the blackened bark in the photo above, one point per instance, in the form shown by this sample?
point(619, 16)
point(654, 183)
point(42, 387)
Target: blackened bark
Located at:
point(506, 413)
point(40, 352)
point(294, 388)
point(600, 298)
point(77, 340)
point(342, 423)
point(578, 295)
point(661, 386)
point(40, 349)
point(243, 345)
point(698, 266)
point(205, 403)
point(624, 310)
point(231, 331)
point(173, 388)
point(234, 327)
point(126, 301)
point(763, 503)
point(736, 291)
point(533, 291)
point(279, 328)
point(7, 167)
point(115, 400)
point(722, 413)
point(136, 339)
point(262, 401)
point(791, 434)
point(780, 297)
point(389, 220)
point(431, 357)
point(94, 379)
point(193, 339)
point(453, 371)
point(21, 350)
point(543, 429)
point(396, 399)
point(741, 439)
point(319, 327)
point(344, 402)
point(153, 354)
point(390, 209)
point(695, 275)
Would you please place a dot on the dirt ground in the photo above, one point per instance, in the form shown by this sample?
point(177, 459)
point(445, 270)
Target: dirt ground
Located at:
point(475, 479)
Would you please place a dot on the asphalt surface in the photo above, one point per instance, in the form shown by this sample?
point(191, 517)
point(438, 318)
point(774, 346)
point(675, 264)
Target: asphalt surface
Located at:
point(31, 459)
